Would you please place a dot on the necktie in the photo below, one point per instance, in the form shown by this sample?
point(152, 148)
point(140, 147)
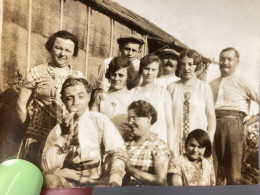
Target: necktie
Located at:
point(186, 126)
point(72, 143)
point(73, 139)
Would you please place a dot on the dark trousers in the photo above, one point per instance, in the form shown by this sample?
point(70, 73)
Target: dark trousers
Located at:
point(229, 144)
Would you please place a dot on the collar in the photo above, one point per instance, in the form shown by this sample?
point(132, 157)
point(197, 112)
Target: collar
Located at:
point(51, 67)
point(190, 82)
point(230, 76)
point(85, 115)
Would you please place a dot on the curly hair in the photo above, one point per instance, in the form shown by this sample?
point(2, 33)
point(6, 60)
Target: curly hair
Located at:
point(190, 53)
point(118, 63)
point(203, 140)
point(148, 59)
point(144, 109)
point(64, 35)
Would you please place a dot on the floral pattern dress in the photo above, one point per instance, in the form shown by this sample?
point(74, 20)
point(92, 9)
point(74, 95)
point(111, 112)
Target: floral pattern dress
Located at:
point(191, 175)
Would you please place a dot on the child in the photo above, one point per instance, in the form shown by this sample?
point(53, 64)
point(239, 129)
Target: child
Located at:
point(194, 168)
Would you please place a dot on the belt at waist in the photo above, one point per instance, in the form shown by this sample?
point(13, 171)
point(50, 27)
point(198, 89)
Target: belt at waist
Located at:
point(81, 166)
point(230, 114)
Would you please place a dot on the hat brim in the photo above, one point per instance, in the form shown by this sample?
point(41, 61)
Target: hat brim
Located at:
point(169, 52)
point(130, 39)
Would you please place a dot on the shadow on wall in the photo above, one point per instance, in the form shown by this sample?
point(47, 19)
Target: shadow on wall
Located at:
point(11, 130)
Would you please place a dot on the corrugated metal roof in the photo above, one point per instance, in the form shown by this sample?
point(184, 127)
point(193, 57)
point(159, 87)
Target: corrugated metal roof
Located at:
point(153, 31)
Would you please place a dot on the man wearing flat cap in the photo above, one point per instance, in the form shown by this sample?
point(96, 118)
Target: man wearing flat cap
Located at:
point(130, 46)
point(169, 59)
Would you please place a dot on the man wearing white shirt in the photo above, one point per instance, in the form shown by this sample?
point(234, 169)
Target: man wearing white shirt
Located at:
point(130, 46)
point(74, 150)
point(232, 96)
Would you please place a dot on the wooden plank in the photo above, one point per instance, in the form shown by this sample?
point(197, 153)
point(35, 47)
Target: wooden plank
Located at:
point(111, 36)
point(145, 50)
point(1, 35)
point(61, 13)
point(29, 29)
point(87, 41)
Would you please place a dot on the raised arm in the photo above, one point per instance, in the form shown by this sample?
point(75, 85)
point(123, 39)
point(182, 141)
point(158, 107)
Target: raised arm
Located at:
point(23, 101)
point(53, 157)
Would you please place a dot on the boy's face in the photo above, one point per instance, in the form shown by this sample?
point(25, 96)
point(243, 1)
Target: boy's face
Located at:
point(76, 99)
point(131, 50)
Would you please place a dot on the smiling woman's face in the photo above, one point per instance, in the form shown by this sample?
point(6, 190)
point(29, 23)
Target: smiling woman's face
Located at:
point(194, 150)
point(187, 68)
point(138, 125)
point(62, 52)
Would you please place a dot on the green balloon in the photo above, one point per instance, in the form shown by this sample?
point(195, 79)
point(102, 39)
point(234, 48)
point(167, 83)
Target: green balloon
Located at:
point(20, 177)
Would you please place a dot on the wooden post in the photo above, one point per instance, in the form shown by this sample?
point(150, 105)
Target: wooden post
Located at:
point(29, 36)
point(111, 36)
point(87, 39)
point(1, 35)
point(145, 47)
point(61, 13)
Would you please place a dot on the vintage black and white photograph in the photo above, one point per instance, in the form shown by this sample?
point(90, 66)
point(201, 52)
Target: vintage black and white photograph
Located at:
point(100, 93)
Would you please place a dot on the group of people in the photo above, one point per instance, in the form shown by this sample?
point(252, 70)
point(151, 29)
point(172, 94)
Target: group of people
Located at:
point(152, 123)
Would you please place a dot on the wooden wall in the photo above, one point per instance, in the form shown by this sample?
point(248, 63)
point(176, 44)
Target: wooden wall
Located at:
point(26, 25)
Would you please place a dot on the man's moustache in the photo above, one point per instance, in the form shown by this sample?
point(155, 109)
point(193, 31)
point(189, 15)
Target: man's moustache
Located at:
point(169, 64)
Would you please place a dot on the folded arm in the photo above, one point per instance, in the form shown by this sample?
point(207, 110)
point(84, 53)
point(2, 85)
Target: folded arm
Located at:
point(158, 178)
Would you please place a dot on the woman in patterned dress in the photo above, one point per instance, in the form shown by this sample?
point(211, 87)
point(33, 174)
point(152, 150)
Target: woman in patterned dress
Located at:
point(42, 86)
point(194, 168)
point(192, 101)
point(150, 69)
point(147, 155)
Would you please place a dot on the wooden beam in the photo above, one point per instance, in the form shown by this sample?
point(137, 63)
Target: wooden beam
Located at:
point(61, 13)
point(29, 29)
point(1, 35)
point(145, 46)
point(111, 36)
point(87, 40)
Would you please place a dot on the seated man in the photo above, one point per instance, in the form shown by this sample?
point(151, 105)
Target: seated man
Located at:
point(73, 153)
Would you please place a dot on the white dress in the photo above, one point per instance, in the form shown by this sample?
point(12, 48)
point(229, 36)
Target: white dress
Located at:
point(157, 99)
point(115, 106)
point(165, 80)
point(199, 92)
